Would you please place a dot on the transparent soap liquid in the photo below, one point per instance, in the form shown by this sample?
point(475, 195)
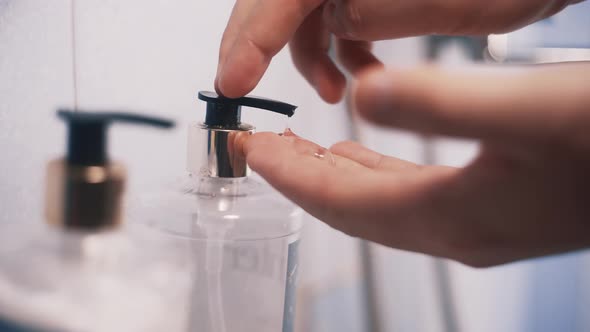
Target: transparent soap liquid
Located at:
point(305, 147)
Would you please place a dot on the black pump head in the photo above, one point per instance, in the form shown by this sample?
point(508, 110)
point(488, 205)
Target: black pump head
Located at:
point(226, 112)
point(87, 137)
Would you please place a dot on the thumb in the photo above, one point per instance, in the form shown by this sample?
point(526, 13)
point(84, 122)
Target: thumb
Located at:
point(537, 103)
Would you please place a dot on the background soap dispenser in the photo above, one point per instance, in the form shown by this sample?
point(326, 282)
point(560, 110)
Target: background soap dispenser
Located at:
point(240, 236)
point(85, 271)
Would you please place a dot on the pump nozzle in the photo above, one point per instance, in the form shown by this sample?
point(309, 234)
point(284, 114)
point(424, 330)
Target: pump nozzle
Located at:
point(85, 189)
point(87, 137)
point(226, 113)
point(211, 148)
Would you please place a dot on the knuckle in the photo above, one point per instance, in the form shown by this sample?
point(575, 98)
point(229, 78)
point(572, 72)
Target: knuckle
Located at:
point(349, 17)
point(378, 161)
point(266, 50)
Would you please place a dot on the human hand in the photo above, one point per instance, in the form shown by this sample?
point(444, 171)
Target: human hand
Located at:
point(525, 195)
point(259, 29)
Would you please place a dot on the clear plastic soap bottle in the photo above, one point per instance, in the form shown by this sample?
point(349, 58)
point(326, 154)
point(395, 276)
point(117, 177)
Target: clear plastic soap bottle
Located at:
point(239, 236)
point(83, 270)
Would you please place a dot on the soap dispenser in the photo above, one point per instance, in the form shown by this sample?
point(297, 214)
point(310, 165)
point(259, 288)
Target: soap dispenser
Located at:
point(84, 270)
point(240, 235)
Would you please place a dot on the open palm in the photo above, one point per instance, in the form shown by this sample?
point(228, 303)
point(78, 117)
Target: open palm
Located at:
point(525, 195)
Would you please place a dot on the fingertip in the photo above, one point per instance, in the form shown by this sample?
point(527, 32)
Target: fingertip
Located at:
point(330, 83)
point(332, 92)
point(234, 87)
point(373, 93)
point(356, 56)
point(242, 70)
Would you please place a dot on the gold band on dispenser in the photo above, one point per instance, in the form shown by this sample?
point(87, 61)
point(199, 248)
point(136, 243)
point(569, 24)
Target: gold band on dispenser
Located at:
point(84, 197)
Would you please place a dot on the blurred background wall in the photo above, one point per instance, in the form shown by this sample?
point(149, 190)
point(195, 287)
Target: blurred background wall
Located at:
point(154, 55)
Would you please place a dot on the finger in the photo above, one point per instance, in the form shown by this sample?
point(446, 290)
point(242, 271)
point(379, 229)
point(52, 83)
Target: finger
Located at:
point(388, 208)
point(371, 159)
point(306, 149)
point(386, 19)
point(544, 103)
point(356, 56)
point(309, 50)
point(294, 167)
point(295, 171)
point(235, 149)
point(376, 19)
point(240, 12)
point(266, 30)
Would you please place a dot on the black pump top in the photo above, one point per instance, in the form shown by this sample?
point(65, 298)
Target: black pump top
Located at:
point(87, 137)
point(226, 112)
